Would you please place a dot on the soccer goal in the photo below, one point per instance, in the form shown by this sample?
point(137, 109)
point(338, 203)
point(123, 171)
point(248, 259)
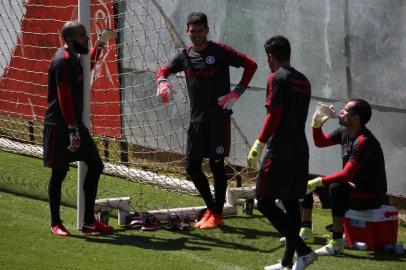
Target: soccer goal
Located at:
point(141, 140)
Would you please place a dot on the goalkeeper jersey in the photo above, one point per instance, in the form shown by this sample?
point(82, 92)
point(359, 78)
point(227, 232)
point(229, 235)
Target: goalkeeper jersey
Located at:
point(207, 77)
point(65, 87)
point(365, 152)
point(290, 91)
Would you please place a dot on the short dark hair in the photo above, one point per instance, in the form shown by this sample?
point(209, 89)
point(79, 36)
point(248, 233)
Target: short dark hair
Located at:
point(70, 28)
point(279, 47)
point(197, 18)
point(362, 109)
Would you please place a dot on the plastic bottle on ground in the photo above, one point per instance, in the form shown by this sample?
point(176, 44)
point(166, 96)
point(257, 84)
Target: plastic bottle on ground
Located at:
point(360, 246)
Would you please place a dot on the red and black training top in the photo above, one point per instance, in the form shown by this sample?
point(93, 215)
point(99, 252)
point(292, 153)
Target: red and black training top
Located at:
point(363, 160)
point(208, 76)
point(287, 103)
point(65, 87)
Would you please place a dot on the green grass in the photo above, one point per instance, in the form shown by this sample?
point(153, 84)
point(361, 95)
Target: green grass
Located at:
point(245, 242)
point(26, 176)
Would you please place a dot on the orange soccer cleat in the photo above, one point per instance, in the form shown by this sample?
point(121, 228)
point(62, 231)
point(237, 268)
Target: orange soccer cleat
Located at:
point(205, 217)
point(213, 222)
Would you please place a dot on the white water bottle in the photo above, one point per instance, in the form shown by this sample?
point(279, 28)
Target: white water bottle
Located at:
point(360, 246)
point(345, 241)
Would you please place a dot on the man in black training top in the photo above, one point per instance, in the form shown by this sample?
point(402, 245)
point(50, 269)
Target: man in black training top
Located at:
point(206, 66)
point(361, 184)
point(66, 138)
point(284, 170)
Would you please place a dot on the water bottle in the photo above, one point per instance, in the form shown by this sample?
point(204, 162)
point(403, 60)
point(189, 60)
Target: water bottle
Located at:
point(360, 245)
point(345, 241)
point(248, 206)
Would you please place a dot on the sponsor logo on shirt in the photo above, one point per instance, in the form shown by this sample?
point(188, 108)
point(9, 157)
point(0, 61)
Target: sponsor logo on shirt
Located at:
point(200, 73)
point(220, 150)
point(210, 60)
point(300, 86)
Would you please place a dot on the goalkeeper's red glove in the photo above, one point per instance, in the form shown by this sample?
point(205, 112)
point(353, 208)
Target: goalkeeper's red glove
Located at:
point(74, 138)
point(165, 90)
point(227, 101)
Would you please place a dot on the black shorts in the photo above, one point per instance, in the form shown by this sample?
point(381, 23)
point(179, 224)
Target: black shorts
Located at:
point(282, 178)
point(55, 142)
point(209, 139)
point(343, 197)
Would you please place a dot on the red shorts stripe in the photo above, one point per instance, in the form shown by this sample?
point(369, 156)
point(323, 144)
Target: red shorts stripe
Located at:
point(264, 177)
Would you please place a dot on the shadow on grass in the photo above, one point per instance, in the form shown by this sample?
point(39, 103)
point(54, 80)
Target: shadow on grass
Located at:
point(249, 233)
point(38, 196)
point(186, 240)
point(375, 255)
point(320, 240)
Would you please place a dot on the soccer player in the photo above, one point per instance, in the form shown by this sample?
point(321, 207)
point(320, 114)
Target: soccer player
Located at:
point(206, 66)
point(66, 138)
point(361, 184)
point(284, 169)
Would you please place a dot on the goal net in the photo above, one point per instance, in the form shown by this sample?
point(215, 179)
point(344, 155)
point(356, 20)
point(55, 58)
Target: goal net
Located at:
point(141, 140)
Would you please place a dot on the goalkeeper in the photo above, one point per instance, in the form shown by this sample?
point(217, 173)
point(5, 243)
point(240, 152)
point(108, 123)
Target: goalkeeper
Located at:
point(66, 138)
point(361, 184)
point(206, 66)
point(284, 170)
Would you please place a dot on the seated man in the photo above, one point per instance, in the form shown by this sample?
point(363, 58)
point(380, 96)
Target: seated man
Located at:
point(361, 184)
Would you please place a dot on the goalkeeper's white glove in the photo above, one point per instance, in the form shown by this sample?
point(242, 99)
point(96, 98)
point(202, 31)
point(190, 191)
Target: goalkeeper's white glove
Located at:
point(313, 184)
point(322, 114)
point(74, 139)
point(165, 90)
point(255, 154)
point(105, 36)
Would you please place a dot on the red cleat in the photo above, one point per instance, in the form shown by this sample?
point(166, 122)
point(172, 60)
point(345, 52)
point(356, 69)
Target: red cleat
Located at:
point(205, 217)
point(60, 230)
point(213, 222)
point(96, 227)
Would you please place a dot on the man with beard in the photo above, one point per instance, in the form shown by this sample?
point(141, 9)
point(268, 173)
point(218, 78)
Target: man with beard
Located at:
point(284, 169)
point(361, 184)
point(206, 66)
point(66, 138)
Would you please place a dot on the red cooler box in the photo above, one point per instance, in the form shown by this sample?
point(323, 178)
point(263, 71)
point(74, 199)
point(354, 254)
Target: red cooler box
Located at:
point(375, 227)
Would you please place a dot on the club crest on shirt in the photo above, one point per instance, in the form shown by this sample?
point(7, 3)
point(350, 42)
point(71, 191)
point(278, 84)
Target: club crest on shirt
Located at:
point(210, 60)
point(220, 150)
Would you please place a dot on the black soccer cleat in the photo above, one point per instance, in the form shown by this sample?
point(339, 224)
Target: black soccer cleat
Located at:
point(173, 222)
point(185, 224)
point(151, 223)
point(135, 220)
